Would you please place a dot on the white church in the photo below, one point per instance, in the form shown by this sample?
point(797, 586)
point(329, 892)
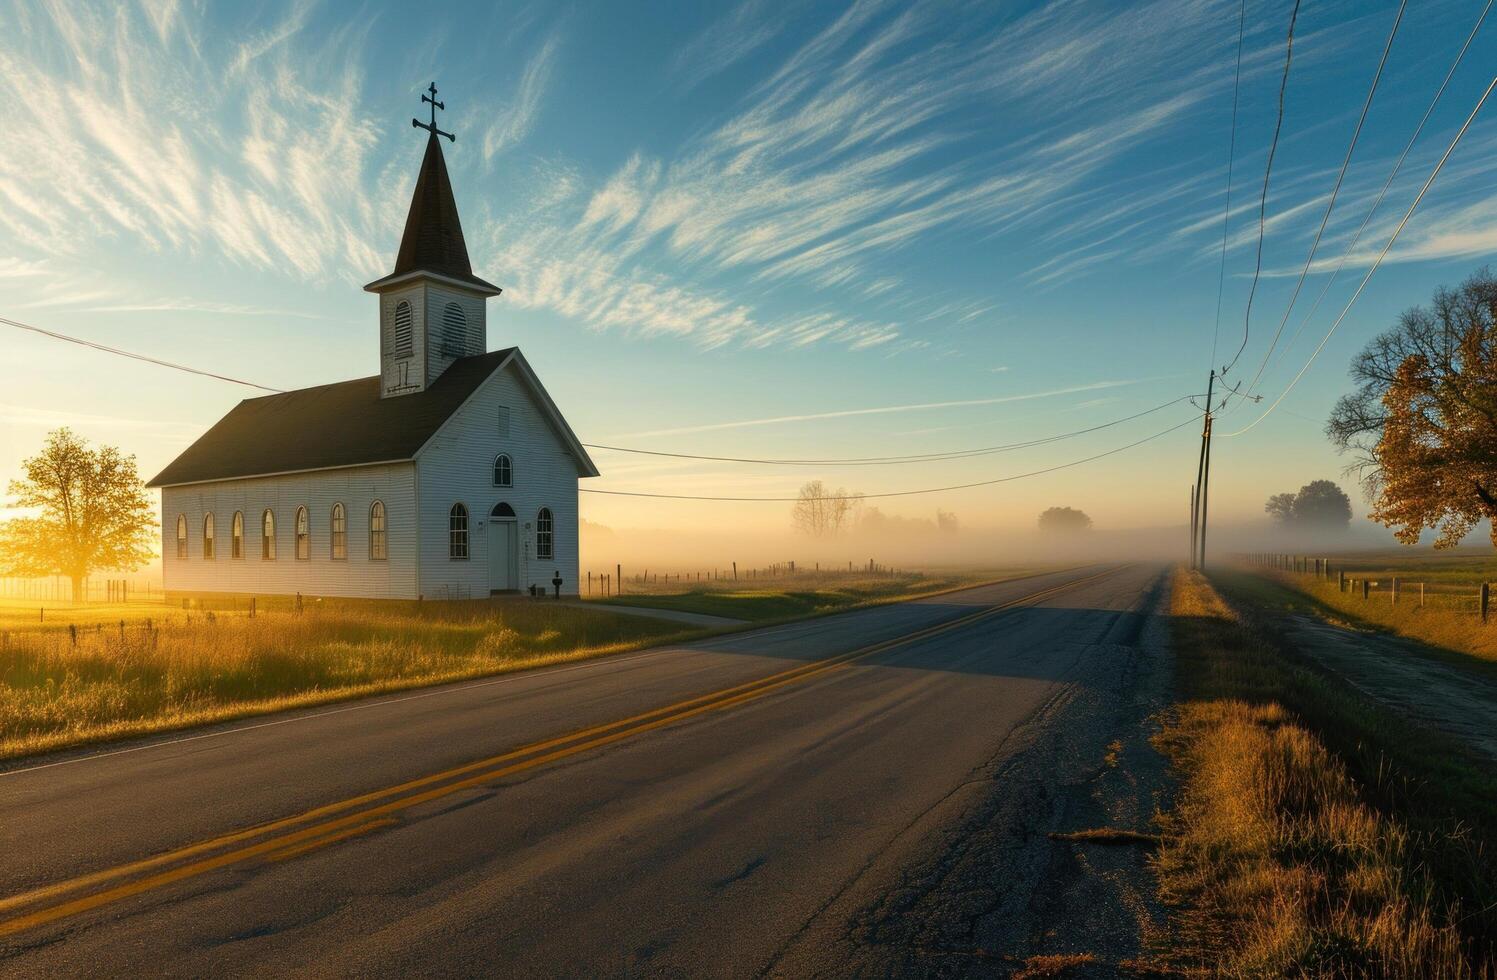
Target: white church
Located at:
point(450, 474)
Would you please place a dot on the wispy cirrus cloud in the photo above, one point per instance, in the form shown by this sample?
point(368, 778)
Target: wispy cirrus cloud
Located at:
point(134, 144)
point(859, 137)
point(729, 40)
point(517, 114)
point(886, 409)
point(852, 148)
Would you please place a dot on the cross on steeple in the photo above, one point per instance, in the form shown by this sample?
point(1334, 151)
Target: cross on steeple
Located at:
point(431, 127)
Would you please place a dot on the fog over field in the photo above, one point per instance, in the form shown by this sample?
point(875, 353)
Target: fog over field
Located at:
point(921, 543)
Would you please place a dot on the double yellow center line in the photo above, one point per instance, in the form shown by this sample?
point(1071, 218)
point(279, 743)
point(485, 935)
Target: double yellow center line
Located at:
point(296, 835)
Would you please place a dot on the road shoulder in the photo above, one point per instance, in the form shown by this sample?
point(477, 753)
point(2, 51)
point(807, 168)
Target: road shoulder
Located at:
point(1427, 686)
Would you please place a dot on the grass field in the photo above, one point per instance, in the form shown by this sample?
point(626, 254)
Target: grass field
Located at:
point(1460, 569)
point(806, 593)
point(73, 675)
point(101, 672)
point(1315, 831)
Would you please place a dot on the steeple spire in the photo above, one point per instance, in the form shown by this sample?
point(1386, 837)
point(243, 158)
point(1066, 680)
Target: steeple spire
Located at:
point(433, 239)
point(432, 307)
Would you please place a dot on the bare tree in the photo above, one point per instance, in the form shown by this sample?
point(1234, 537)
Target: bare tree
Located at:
point(94, 513)
point(821, 512)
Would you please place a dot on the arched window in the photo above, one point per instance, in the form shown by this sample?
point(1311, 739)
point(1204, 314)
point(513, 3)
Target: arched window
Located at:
point(454, 331)
point(236, 536)
point(267, 536)
point(181, 535)
point(457, 532)
point(504, 471)
point(543, 534)
point(378, 548)
point(208, 535)
point(338, 533)
point(504, 510)
point(303, 535)
point(403, 344)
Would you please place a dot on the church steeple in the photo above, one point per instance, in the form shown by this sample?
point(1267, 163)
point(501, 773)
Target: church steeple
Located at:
point(431, 305)
point(433, 240)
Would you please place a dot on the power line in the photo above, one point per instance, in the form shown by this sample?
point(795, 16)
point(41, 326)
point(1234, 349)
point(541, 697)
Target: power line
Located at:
point(1397, 167)
point(1221, 277)
point(864, 461)
point(1379, 261)
point(896, 460)
point(1273, 148)
point(134, 356)
point(894, 493)
point(1335, 190)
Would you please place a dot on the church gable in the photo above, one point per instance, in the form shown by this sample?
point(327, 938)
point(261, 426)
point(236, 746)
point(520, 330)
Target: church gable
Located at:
point(511, 410)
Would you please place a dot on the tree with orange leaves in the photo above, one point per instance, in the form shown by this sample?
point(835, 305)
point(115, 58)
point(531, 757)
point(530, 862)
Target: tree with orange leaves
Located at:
point(1422, 422)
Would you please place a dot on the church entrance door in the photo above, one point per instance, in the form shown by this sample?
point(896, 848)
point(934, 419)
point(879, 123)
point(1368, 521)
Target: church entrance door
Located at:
point(504, 539)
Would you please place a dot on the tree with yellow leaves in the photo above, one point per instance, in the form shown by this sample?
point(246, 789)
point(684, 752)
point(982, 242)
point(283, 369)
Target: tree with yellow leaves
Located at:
point(93, 513)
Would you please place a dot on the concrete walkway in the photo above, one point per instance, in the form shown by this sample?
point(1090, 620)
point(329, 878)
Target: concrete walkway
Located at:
point(694, 619)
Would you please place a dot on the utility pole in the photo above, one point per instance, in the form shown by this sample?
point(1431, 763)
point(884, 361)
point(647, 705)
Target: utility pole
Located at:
point(1205, 491)
point(1203, 468)
point(1193, 513)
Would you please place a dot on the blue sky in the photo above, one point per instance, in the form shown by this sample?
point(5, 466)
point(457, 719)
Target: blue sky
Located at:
point(991, 221)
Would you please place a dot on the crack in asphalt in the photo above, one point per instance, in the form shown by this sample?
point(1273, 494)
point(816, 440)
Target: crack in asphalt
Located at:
point(981, 884)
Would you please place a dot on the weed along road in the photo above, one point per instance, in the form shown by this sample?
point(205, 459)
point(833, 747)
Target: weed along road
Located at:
point(739, 805)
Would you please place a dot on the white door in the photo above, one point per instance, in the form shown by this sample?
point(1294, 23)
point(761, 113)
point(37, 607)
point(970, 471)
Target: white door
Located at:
point(503, 576)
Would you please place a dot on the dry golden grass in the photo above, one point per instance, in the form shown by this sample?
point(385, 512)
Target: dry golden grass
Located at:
point(1273, 856)
point(174, 668)
point(71, 675)
point(1107, 835)
point(1053, 965)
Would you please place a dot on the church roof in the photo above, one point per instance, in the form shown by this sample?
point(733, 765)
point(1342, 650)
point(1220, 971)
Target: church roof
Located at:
point(344, 424)
point(433, 239)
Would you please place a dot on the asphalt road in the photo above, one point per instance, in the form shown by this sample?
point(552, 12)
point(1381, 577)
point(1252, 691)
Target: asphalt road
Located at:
point(727, 807)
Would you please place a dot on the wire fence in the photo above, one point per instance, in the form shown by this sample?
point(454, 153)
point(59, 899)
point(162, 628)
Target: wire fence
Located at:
point(608, 582)
point(1395, 590)
point(58, 589)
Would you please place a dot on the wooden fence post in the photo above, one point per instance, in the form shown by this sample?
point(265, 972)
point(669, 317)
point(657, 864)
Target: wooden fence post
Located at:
point(1394, 593)
point(1366, 589)
point(1486, 599)
point(1421, 595)
point(1341, 581)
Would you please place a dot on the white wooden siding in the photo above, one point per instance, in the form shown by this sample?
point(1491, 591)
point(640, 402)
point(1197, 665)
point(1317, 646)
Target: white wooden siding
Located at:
point(428, 357)
point(473, 307)
point(458, 466)
point(355, 487)
point(390, 367)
